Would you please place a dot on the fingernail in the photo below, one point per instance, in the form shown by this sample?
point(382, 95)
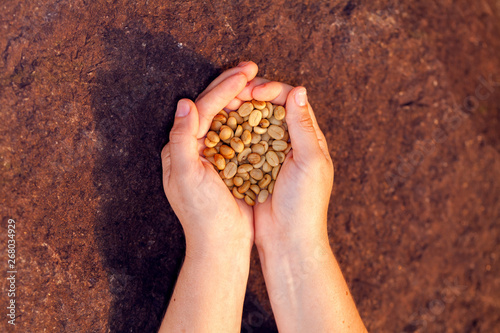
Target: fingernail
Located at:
point(301, 97)
point(243, 64)
point(182, 108)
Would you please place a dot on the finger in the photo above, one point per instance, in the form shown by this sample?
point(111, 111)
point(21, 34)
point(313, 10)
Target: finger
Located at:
point(275, 92)
point(165, 163)
point(217, 99)
point(183, 142)
point(319, 133)
point(249, 69)
point(201, 146)
point(234, 104)
point(300, 126)
point(246, 94)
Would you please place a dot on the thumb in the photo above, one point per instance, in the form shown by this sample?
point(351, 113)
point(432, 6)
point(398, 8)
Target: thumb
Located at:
point(301, 125)
point(183, 142)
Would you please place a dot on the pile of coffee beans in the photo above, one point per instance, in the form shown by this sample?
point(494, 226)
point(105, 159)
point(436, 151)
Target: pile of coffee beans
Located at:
point(247, 147)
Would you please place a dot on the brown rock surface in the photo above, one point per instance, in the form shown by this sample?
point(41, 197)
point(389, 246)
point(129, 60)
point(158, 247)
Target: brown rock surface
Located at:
point(87, 95)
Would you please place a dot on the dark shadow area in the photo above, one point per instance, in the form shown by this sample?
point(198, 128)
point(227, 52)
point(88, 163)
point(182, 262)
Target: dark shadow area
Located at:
point(133, 102)
point(255, 317)
point(138, 234)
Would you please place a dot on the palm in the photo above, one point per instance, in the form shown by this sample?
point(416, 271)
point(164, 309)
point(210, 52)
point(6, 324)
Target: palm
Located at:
point(277, 208)
point(225, 203)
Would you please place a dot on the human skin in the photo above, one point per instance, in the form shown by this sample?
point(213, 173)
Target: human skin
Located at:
point(305, 285)
point(307, 290)
point(210, 289)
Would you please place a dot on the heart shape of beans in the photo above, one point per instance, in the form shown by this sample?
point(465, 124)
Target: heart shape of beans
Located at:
point(247, 147)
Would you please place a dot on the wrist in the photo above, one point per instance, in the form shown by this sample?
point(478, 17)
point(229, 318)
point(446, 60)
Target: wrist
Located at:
point(299, 247)
point(234, 251)
point(289, 265)
point(299, 237)
point(230, 266)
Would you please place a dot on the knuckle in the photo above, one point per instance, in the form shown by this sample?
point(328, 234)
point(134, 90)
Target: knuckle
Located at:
point(208, 117)
point(324, 148)
point(323, 144)
point(165, 152)
point(306, 123)
point(176, 136)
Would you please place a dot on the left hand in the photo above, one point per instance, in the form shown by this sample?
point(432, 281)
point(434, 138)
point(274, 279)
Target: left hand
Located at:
point(214, 222)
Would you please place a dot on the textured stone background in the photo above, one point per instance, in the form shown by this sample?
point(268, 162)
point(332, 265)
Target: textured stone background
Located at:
point(87, 95)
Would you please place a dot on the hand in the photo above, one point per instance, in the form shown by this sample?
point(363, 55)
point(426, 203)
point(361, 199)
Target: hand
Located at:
point(305, 285)
point(297, 209)
point(212, 219)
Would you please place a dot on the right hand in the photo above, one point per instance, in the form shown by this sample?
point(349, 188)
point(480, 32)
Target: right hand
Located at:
point(305, 285)
point(297, 209)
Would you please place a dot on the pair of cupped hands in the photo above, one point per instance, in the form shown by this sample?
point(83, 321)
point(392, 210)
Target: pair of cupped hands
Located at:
point(213, 220)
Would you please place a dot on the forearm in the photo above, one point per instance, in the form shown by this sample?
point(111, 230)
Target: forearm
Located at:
point(306, 288)
point(209, 293)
